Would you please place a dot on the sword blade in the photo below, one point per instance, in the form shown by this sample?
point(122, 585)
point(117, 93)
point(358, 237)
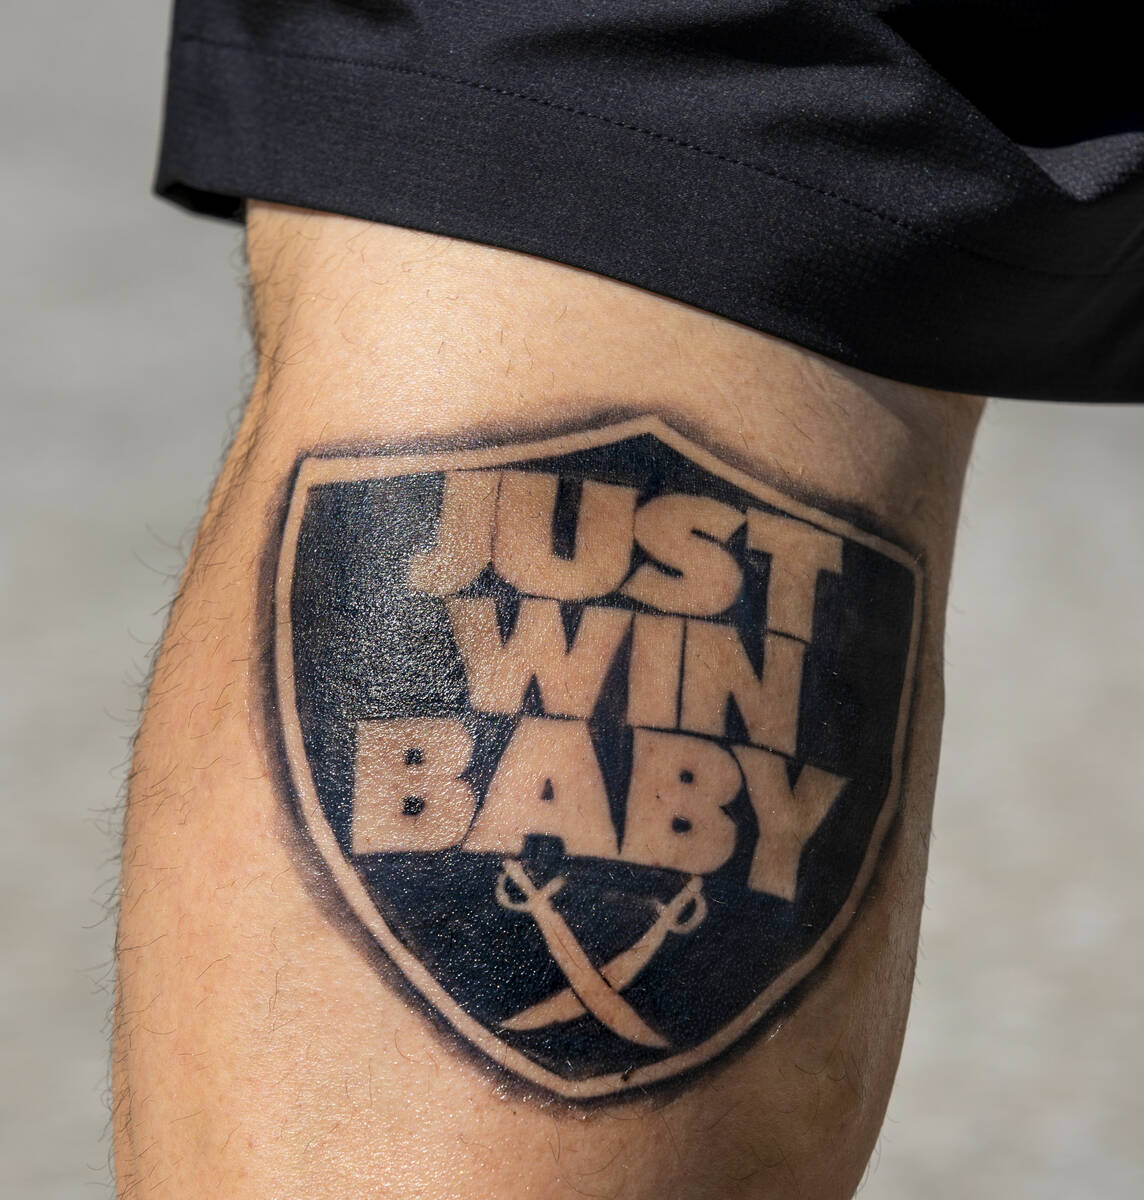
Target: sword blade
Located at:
point(619, 972)
point(594, 992)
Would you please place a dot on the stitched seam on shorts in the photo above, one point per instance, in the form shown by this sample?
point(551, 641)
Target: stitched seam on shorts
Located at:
point(657, 135)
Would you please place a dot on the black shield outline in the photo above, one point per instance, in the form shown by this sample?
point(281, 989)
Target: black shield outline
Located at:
point(317, 469)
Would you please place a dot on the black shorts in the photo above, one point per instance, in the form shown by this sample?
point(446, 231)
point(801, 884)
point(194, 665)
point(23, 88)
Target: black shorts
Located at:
point(932, 191)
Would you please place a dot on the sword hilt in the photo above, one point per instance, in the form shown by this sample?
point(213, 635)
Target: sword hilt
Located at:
point(690, 894)
point(532, 895)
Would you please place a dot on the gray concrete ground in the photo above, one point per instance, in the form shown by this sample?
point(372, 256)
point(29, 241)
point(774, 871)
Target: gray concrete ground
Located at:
point(123, 364)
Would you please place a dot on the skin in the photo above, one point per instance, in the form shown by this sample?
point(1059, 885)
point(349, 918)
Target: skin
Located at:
point(258, 1048)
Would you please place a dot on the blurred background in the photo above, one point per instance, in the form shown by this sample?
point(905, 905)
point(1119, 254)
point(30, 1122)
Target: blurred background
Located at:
point(123, 366)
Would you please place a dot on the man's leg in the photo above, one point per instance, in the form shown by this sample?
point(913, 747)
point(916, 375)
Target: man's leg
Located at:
point(263, 1045)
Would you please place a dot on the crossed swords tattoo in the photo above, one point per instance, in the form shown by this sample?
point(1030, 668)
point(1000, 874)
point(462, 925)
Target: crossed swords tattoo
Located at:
point(590, 988)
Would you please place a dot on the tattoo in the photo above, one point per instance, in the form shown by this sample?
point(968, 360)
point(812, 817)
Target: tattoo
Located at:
point(599, 737)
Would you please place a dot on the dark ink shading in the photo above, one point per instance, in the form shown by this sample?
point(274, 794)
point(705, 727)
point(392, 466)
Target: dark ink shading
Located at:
point(365, 647)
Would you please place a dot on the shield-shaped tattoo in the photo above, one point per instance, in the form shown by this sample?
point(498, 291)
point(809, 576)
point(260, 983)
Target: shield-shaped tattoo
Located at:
point(599, 737)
